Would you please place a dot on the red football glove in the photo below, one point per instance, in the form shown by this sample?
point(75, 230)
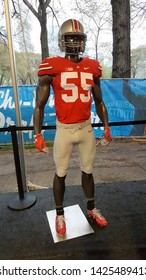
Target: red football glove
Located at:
point(40, 143)
point(107, 137)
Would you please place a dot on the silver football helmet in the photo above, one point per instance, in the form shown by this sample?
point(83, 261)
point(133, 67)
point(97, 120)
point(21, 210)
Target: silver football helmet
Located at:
point(71, 37)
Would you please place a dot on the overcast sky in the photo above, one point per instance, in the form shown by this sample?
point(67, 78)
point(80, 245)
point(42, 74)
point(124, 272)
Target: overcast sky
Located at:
point(138, 35)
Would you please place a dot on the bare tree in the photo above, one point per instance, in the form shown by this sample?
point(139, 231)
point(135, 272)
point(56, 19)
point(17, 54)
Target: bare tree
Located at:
point(41, 15)
point(121, 38)
point(25, 44)
point(4, 64)
point(96, 21)
point(138, 62)
point(138, 12)
point(3, 35)
point(96, 18)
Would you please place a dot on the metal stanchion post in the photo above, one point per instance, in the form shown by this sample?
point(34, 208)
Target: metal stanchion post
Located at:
point(25, 199)
point(15, 89)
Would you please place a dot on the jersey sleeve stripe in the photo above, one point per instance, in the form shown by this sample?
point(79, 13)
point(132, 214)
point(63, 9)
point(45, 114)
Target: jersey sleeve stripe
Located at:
point(44, 63)
point(45, 68)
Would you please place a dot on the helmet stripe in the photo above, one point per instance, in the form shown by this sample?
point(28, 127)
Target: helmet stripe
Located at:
point(76, 25)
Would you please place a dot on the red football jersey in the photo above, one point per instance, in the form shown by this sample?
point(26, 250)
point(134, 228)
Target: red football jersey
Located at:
point(72, 85)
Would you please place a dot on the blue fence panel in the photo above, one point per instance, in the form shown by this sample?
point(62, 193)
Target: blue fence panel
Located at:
point(125, 101)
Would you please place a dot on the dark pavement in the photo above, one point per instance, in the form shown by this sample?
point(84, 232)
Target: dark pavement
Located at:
point(120, 178)
point(26, 234)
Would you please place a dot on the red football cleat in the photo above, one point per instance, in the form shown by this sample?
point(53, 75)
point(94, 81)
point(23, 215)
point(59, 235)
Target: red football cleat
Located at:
point(97, 216)
point(60, 225)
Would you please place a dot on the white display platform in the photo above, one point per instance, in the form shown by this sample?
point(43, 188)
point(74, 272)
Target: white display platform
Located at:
point(76, 223)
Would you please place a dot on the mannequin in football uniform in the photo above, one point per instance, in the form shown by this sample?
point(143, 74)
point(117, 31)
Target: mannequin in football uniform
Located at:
point(75, 81)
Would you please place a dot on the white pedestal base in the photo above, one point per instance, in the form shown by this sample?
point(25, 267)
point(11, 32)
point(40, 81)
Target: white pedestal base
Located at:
point(76, 223)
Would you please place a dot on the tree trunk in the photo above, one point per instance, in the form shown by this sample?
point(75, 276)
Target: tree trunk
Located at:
point(41, 15)
point(44, 38)
point(44, 31)
point(121, 38)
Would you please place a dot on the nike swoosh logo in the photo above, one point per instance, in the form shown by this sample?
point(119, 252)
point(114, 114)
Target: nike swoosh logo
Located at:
point(85, 68)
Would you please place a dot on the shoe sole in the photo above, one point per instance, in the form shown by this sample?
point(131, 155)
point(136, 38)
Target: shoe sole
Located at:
point(61, 235)
point(101, 225)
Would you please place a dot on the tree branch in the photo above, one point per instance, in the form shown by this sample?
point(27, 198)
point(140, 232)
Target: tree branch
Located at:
point(36, 14)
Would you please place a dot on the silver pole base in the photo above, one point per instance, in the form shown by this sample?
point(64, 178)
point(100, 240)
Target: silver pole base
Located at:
point(21, 204)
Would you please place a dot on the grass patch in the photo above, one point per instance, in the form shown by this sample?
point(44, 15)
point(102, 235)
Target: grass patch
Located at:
point(27, 146)
point(5, 147)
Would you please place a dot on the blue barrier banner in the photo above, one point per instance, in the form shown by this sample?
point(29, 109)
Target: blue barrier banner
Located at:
point(125, 101)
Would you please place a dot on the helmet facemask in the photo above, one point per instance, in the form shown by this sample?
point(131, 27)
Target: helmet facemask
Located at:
point(73, 43)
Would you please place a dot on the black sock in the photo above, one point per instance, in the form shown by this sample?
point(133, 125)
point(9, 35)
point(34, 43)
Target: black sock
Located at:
point(90, 204)
point(59, 210)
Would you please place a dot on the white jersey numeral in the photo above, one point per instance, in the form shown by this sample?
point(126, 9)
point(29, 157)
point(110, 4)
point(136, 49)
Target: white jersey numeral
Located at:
point(73, 93)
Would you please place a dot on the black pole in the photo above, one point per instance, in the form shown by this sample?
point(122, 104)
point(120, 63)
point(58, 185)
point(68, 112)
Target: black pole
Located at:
point(17, 161)
point(24, 200)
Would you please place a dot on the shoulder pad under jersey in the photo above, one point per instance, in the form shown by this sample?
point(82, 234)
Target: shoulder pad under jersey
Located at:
point(95, 65)
point(49, 65)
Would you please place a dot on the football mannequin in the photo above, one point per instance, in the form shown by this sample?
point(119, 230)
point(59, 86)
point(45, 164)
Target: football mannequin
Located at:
point(75, 81)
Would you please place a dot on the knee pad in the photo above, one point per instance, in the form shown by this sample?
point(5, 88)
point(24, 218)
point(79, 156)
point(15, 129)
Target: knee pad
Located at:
point(61, 173)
